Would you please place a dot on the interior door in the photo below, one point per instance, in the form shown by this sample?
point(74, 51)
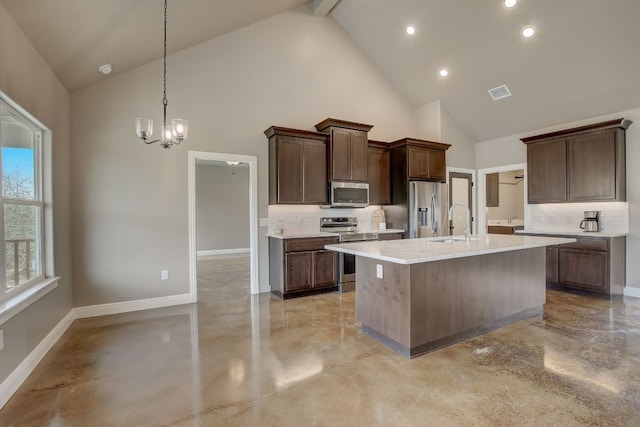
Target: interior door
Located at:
point(460, 186)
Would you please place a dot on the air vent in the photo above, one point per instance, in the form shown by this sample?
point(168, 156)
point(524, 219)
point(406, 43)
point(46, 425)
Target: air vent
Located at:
point(499, 92)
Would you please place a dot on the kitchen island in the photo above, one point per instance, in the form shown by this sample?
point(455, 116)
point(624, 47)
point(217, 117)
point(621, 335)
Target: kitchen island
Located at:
point(418, 295)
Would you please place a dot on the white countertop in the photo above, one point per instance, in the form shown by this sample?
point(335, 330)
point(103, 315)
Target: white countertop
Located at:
point(309, 234)
point(413, 251)
point(575, 233)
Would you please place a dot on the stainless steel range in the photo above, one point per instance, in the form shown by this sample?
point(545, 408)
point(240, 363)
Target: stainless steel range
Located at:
point(347, 228)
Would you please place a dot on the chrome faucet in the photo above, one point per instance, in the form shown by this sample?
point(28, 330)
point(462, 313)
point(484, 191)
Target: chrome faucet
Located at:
point(467, 229)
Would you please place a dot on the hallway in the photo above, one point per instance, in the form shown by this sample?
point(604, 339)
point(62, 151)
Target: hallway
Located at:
point(237, 360)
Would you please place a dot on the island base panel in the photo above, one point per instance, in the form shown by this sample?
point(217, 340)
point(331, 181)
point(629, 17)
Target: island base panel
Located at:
point(411, 352)
point(421, 307)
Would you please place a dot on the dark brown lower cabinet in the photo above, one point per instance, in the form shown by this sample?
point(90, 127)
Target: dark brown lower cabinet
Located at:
point(503, 229)
point(595, 264)
point(299, 268)
point(325, 268)
point(302, 266)
point(552, 264)
point(389, 236)
point(584, 269)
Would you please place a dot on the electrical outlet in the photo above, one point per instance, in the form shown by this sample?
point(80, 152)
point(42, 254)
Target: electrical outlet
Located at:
point(1, 340)
point(164, 275)
point(379, 271)
point(264, 222)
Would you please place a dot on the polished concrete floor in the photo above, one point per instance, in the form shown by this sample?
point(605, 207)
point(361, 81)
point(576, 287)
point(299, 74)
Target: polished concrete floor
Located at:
point(237, 360)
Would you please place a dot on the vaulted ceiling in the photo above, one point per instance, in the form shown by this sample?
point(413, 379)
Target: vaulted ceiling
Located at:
point(584, 60)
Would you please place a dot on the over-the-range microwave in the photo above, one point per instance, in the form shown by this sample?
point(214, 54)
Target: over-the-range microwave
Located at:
point(348, 194)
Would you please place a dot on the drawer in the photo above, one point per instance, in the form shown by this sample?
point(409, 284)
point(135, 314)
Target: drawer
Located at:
point(588, 243)
point(389, 236)
point(308, 244)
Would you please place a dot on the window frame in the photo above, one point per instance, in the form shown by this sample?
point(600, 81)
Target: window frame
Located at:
point(14, 300)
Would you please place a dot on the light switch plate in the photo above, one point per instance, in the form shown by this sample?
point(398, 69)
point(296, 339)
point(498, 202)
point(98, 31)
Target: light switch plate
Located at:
point(164, 275)
point(264, 222)
point(379, 271)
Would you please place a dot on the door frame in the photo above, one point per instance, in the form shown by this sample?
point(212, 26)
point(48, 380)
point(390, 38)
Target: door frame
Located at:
point(252, 161)
point(482, 188)
point(474, 204)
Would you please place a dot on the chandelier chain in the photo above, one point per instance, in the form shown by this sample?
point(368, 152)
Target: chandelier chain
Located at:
point(164, 70)
point(164, 55)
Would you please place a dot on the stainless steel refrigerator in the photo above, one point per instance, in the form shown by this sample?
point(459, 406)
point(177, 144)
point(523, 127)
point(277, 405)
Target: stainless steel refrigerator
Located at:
point(420, 209)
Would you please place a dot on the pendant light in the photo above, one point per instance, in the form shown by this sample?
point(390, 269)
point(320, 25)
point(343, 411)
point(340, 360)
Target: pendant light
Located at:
point(174, 133)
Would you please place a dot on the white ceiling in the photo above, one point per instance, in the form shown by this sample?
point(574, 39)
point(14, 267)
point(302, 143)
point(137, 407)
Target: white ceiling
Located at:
point(584, 61)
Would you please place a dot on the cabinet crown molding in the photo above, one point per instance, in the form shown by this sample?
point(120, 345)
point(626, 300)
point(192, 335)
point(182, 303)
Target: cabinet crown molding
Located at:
point(279, 130)
point(420, 143)
point(329, 122)
point(617, 123)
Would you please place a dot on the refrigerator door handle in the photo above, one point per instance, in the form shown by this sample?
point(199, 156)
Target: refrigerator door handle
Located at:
point(434, 219)
point(414, 199)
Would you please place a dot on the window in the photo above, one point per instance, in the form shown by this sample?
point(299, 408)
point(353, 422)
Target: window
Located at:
point(21, 196)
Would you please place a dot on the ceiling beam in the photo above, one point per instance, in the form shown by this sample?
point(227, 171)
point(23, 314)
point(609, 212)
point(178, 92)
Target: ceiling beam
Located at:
point(323, 7)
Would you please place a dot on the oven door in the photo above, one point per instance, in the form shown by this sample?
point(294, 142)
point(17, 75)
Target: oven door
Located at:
point(347, 272)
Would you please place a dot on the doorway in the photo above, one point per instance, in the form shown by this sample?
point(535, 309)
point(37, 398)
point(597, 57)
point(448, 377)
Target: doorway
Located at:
point(461, 183)
point(200, 157)
point(512, 180)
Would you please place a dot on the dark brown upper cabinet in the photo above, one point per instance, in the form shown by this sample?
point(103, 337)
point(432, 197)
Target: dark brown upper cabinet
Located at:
point(585, 164)
point(347, 149)
point(297, 166)
point(379, 173)
point(417, 159)
point(493, 190)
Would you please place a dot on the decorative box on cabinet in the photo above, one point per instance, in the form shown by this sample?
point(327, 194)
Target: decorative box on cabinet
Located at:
point(378, 173)
point(585, 164)
point(347, 155)
point(301, 266)
point(297, 166)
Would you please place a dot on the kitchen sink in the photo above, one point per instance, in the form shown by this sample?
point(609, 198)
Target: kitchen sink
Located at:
point(449, 239)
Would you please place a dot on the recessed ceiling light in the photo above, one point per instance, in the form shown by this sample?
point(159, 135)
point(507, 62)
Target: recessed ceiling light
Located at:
point(443, 72)
point(411, 30)
point(509, 3)
point(105, 69)
point(528, 31)
point(231, 163)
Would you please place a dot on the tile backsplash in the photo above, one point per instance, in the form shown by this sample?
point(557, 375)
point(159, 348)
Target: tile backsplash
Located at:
point(614, 216)
point(306, 219)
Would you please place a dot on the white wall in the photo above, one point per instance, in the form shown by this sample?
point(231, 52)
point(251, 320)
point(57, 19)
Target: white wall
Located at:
point(434, 123)
point(130, 200)
point(461, 154)
point(222, 207)
point(510, 150)
point(511, 202)
point(27, 80)
point(428, 122)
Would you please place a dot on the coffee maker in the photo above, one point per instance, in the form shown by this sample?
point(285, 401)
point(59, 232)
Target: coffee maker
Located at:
point(591, 221)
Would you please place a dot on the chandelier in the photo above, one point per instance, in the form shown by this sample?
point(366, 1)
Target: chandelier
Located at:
point(174, 133)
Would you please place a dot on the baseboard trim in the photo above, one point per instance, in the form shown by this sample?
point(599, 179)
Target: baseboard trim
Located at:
point(128, 306)
point(223, 252)
point(11, 384)
point(630, 291)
